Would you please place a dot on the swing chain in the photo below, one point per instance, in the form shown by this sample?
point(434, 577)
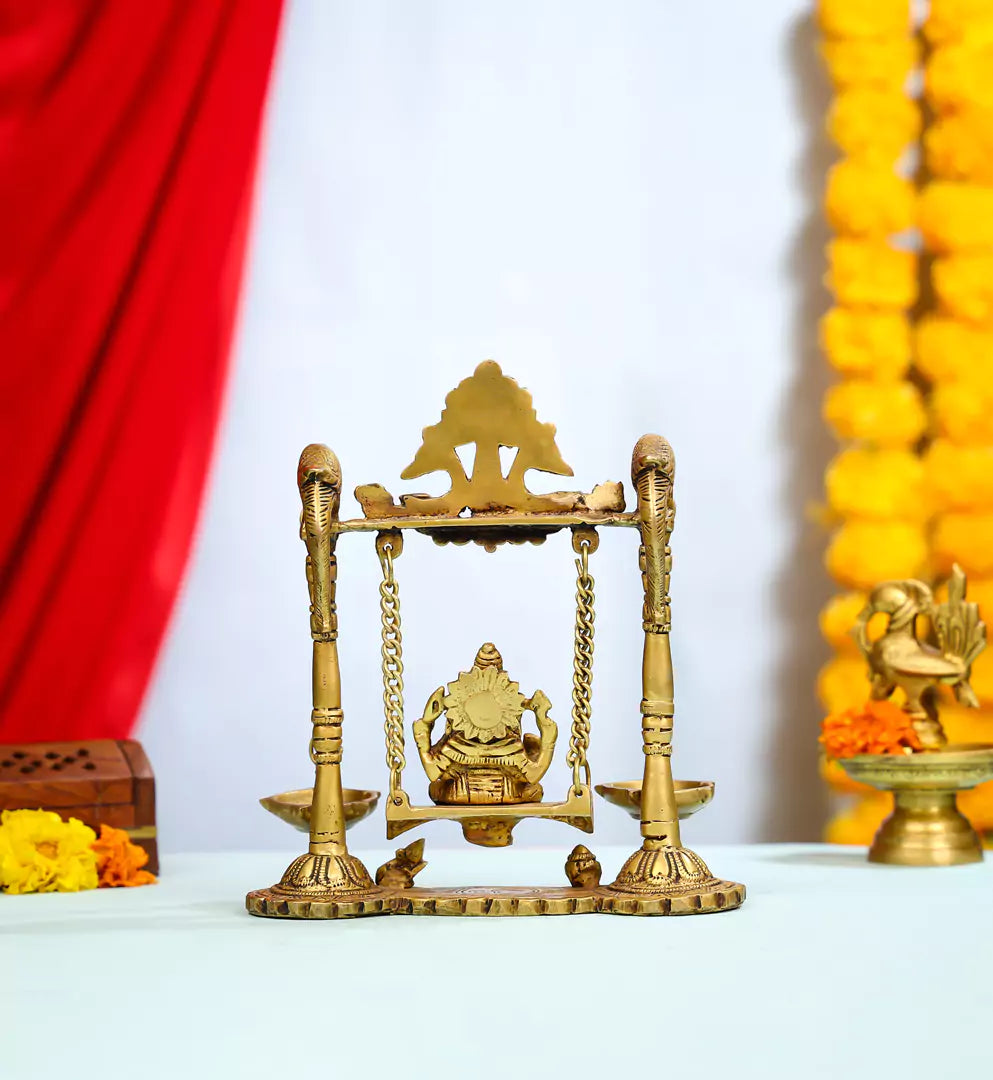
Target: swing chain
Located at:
point(389, 544)
point(584, 542)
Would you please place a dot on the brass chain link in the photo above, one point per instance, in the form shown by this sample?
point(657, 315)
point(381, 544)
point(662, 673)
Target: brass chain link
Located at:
point(388, 546)
point(584, 541)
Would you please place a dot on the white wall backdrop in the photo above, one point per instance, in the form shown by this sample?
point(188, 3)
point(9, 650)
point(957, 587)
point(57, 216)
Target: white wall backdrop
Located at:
point(610, 199)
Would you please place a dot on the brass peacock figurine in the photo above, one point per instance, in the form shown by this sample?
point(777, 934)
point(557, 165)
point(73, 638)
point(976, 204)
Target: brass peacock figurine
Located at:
point(900, 659)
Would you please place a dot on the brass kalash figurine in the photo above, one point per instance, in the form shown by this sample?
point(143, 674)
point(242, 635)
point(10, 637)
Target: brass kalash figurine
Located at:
point(483, 769)
point(926, 827)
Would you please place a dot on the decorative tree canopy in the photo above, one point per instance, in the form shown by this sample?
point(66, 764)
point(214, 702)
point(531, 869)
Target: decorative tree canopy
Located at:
point(488, 410)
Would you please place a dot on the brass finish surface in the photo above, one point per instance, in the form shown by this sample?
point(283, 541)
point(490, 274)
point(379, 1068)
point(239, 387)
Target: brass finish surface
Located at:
point(662, 869)
point(483, 769)
point(925, 827)
point(900, 659)
point(582, 897)
point(294, 806)
point(691, 795)
point(327, 870)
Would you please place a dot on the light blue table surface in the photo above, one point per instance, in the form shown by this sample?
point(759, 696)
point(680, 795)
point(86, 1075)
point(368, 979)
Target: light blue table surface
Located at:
point(833, 968)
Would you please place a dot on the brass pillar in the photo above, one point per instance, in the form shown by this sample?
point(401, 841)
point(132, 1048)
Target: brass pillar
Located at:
point(327, 871)
point(662, 867)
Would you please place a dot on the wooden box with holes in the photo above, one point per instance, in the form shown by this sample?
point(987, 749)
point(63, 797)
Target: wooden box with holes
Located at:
point(99, 781)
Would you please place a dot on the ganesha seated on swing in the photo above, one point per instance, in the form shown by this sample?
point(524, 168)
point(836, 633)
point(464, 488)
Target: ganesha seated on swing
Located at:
point(484, 757)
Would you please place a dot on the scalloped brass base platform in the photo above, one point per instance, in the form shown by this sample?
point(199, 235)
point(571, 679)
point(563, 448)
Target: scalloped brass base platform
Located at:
point(565, 900)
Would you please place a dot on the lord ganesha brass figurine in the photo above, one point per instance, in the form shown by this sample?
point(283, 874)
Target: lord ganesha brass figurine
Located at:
point(483, 769)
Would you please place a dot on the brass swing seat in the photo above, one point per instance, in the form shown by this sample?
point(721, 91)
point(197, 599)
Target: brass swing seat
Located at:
point(484, 771)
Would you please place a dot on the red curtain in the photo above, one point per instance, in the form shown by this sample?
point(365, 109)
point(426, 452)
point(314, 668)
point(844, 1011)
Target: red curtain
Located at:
point(128, 139)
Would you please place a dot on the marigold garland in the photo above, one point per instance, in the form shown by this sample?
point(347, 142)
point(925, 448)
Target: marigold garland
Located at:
point(867, 343)
point(956, 344)
point(876, 486)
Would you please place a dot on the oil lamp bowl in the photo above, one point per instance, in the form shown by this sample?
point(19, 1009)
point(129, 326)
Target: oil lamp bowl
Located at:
point(691, 795)
point(294, 806)
point(926, 827)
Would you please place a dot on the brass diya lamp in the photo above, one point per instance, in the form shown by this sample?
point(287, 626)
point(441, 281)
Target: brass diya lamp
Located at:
point(487, 748)
point(926, 827)
point(294, 807)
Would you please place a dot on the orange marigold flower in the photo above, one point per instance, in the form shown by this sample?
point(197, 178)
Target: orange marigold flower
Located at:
point(863, 553)
point(863, 341)
point(874, 125)
point(878, 484)
point(960, 75)
point(884, 63)
point(865, 199)
point(959, 477)
point(874, 727)
point(956, 217)
point(867, 273)
point(119, 861)
point(960, 146)
point(948, 349)
point(889, 415)
point(864, 18)
point(964, 285)
point(966, 539)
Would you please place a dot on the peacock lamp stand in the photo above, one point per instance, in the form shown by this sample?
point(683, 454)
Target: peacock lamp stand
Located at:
point(483, 770)
point(926, 827)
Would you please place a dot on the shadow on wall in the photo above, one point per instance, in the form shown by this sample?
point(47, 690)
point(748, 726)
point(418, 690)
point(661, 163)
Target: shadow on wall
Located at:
point(797, 806)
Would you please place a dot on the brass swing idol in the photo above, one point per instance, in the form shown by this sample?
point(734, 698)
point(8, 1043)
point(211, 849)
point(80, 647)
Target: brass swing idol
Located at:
point(484, 770)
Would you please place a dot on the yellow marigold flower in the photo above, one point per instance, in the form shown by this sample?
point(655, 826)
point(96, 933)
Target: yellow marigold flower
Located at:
point(840, 782)
point(884, 63)
point(964, 284)
point(982, 681)
point(866, 199)
point(877, 484)
point(960, 477)
point(960, 146)
point(842, 683)
point(948, 350)
point(964, 725)
point(39, 852)
point(958, 76)
point(966, 539)
point(889, 415)
point(870, 272)
point(955, 217)
point(863, 553)
point(876, 344)
point(860, 824)
point(874, 125)
point(864, 18)
point(837, 619)
point(977, 805)
point(964, 411)
point(953, 20)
